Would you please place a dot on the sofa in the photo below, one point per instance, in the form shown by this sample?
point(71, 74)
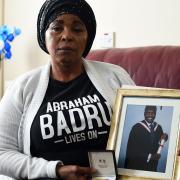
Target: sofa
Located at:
point(151, 66)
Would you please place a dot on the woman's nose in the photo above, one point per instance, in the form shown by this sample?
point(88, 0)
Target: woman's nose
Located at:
point(66, 35)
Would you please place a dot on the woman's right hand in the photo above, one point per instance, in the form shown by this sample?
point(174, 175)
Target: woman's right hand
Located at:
point(74, 172)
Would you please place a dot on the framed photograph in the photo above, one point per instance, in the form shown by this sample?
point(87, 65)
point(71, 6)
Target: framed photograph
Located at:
point(105, 164)
point(145, 132)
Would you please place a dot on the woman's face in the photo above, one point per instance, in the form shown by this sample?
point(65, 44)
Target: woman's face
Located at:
point(66, 39)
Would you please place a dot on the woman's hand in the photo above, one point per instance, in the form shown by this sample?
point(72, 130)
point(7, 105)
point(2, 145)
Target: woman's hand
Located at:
point(73, 172)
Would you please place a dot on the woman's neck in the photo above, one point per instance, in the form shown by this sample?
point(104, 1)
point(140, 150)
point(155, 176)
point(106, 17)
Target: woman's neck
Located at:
point(66, 74)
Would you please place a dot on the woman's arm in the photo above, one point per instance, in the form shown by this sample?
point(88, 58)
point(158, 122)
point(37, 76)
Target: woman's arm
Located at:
point(14, 163)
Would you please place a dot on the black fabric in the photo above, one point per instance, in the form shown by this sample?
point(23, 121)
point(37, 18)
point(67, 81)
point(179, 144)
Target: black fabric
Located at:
point(73, 119)
point(141, 143)
point(43, 179)
point(51, 9)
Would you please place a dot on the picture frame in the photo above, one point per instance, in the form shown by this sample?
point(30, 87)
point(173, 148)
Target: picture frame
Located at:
point(105, 164)
point(128, 115)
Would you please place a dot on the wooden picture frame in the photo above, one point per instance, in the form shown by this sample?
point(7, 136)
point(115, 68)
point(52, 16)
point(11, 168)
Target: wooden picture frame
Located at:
point(128, 114)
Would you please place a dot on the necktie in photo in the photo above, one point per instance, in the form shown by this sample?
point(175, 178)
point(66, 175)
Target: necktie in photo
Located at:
point(152, 132)
point(151, 127)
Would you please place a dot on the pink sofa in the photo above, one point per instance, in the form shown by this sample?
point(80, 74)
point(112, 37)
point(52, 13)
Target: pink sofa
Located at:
point(152, 66)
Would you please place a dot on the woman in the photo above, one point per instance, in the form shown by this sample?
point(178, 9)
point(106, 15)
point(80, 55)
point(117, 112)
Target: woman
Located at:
point(52, 116)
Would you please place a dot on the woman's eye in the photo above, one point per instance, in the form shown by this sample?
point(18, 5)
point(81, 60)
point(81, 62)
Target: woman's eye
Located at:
point(78, 29)
point(56, 28)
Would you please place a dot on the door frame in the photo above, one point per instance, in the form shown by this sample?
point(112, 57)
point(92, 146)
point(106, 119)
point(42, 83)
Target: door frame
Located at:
point(1, 62)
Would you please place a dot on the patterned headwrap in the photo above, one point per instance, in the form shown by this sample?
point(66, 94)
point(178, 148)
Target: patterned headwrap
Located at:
point(51, 9)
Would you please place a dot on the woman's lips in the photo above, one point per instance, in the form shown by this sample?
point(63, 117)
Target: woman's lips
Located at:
point(65, 49)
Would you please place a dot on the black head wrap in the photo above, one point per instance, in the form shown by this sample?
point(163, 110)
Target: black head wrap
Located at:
point(51, 9)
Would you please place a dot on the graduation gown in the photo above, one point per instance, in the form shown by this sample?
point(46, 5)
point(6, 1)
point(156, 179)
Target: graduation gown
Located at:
point(141, 143)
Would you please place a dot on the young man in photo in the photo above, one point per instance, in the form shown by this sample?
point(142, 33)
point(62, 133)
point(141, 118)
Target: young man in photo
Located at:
point(145, 143)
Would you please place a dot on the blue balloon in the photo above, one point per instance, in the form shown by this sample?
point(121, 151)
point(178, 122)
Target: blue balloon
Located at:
point(5, 30)
point(3, 36)
point(17, 31)
point(7, 35)
point(8, 55)
point(10, 37)
point(7, 46)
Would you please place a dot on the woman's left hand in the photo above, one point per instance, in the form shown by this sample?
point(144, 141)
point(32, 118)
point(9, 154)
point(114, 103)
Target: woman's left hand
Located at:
point(74, 172)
